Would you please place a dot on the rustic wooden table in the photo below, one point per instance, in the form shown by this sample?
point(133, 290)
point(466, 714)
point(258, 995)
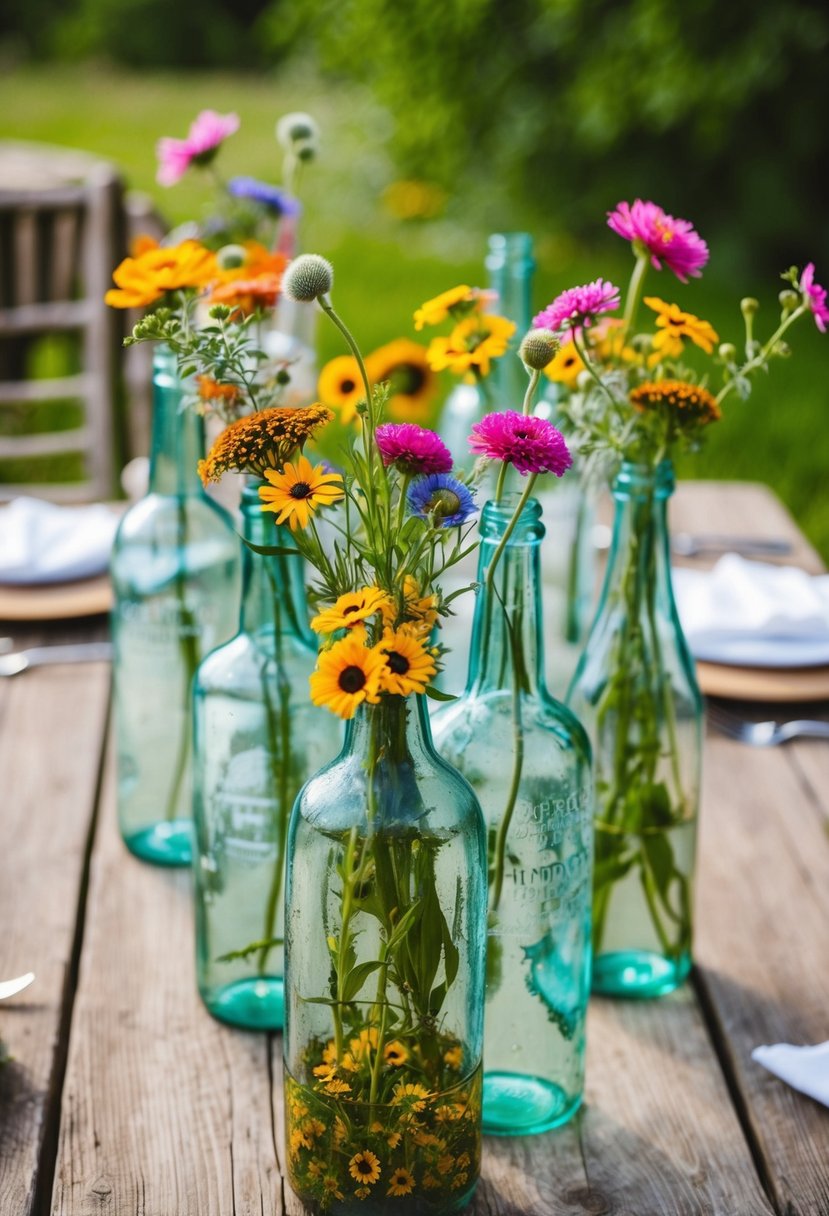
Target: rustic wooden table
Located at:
point(124, 1096)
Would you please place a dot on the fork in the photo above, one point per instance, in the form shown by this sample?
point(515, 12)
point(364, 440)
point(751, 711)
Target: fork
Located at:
point(764, 734)
point(37, 656)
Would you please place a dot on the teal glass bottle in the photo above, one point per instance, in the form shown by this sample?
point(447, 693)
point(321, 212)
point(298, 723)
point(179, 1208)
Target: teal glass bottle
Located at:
point(510, 267)
point(257, 739)
point(635, 689)
point(528, 760)
point(385, 937)
point(175, 572)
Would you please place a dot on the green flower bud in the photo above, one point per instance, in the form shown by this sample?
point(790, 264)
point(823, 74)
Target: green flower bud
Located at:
point(789, 300)
point(782, 350)
point(283, 377)
point(305, 150)
point(231, 257)
point(749, 306)
point(294, 127)
point(219, 312)
point(538, 348)
point(308, 277)
point(728, 352)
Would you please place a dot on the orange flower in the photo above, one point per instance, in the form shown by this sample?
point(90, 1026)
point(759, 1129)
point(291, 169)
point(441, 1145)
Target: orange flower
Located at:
point(253, 285)
point(146, 278)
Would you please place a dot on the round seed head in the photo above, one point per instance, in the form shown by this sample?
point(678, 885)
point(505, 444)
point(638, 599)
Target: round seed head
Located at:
point(308, 277)
point(538, 348)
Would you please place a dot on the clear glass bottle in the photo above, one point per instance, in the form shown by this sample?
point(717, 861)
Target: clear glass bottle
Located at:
point(528, 760)
point(510, 264)
point(384, 974)
point(257, 739)
point(175, 571)
point(635, 689)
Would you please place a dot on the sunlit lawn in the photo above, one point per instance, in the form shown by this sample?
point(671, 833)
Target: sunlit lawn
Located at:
point(385, 266)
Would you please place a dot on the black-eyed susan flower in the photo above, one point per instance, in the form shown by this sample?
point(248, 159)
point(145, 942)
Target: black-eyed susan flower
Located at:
point(566, 367)
point(454, 302)
point(471, 346)
point(411, 1096)
point(337, 1087)
point(262, 441)
point(351, 609)
point(412, 382)
point(409, 664)
point(340, 387)
point(687, 402)
point(331, 1187)
point(395, 1053)
point(298, 490)
point(401, 1182)
point(673, 325)
point(347, 674)
point(364, 1167)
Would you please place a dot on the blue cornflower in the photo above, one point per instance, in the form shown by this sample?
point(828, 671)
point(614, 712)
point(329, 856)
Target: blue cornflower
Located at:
point(442, 498)
point(269, 196)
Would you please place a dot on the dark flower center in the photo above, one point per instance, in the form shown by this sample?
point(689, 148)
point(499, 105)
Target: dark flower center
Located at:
point(347, 386)
point(407, 378)
point(300, 489)
point(443, 503)
point(398, 662)
point(351, 679)
point(351, 608)
point(365, 1167)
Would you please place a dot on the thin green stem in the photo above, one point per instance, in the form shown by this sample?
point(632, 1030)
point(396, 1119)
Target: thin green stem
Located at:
point(535, 376)
point(508, 531)
point(585, 358)
point(763, 354)
point(637, 280)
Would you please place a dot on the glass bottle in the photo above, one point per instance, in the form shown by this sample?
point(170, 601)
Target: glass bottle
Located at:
point(510, 264)
point(257, 739)
point(385, 941)
point(175, 576)
point(528, 760)
point(635, 690)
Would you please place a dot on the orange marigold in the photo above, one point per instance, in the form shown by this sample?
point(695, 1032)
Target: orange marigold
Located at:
point(143, 279)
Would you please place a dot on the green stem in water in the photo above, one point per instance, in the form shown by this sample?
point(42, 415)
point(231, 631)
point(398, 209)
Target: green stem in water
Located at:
point(508, 531)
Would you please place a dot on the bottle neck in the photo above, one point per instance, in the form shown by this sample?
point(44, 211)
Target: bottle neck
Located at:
point(510, 264)
point(274, 607)
point(177, 434)
point(639, 565)
point(391, 736)
point(507, 649)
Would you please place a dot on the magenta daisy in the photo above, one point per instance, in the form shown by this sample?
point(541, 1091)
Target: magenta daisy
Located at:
point(816, 296)
point(207, 132)
point(577, 308)
point(532, 445)
point(667, 240)
point(412, 449)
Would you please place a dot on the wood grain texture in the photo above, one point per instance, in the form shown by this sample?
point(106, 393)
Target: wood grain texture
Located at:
point(165, 1112)
point(52, 722)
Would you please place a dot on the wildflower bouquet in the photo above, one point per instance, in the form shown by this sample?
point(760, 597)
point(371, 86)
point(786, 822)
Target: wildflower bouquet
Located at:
point(633, 400)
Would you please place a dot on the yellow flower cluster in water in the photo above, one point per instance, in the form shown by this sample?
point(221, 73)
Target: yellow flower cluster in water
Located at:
point(262, 441)
point(689, 402)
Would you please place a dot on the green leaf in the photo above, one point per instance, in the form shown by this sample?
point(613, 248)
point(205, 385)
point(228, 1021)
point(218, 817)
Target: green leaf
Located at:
point(437, 695)
point(357, 976)
point(270, 550)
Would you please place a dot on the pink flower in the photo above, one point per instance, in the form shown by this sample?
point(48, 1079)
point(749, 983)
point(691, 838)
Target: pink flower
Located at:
point(578, 307)
point(816, 295)
point(532, 445)
point(412, 449)
point(667, 240)
point(175, 156)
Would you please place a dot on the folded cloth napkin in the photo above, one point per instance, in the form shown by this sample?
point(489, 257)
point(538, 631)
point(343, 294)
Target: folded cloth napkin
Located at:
point(44, 543)
point(804, 1068)
point(754, 613)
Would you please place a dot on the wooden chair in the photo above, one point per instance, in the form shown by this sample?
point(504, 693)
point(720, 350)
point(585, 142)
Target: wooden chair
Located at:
point(63, 228)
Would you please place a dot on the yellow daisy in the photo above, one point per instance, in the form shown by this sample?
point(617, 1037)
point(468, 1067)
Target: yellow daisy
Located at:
point(673, 325)
point(340, 386)
point(395, 1053)
point(412, 383)
point(438, 309)
point(337, 1087)
point(566, 366)
point(350, 609)
point(413, 1096)
point(298, 490)
point(401, 1182)
point(347, 674)
point(418, 612)
point(364, 1167)
point(409, 665)
point(453, 1056)
point(471, 346)
point(332, 1187)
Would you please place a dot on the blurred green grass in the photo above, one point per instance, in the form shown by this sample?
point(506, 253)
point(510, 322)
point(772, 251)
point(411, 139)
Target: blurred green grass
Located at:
point(385, 267)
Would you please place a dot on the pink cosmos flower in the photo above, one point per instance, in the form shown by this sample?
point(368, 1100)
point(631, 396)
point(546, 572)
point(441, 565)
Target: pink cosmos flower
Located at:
point(578, 307)
point(817, 296)
point(175, 156)
point(667, 240)
point(412, 449)
point(532, 445)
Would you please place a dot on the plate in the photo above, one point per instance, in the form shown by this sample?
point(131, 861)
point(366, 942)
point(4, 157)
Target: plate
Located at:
point(764, 684)
point(56, 601)
point(729, 649)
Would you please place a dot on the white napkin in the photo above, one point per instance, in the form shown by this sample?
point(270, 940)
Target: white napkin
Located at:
point(804, 1068)
point(44, 543)
point(754, 613)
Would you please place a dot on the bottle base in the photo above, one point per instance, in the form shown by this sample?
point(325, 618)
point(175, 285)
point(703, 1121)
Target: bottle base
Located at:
point(638, 974)
point(168, 843)
point(516, 1104)
point(382, 1205)
point(257, 1003)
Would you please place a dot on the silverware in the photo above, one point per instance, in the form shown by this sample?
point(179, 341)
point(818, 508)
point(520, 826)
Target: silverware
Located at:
point(764, 734)
point(12, 987)
point(38, 656)
point(687, 544)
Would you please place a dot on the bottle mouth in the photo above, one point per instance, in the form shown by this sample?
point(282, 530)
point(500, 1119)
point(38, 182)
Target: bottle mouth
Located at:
point(495, 519)
point(644, 480)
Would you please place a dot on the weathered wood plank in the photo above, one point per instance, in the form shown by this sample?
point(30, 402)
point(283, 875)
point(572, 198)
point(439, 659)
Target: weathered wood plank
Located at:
point(763, 941)
point(51, 728)
point(165, 1112)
